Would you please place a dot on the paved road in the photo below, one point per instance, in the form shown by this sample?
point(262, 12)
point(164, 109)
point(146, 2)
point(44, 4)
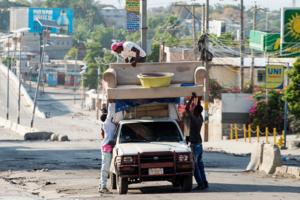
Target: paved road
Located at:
point(70, 170)
point(66, 117)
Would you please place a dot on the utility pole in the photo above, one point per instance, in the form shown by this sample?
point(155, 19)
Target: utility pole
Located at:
point(98, 91)
point(203, 19)
point(75, 77)
point(193, 24)
point(242, 48)
point(252, 51)
point(8, 68)
point(144, 25)
point(206, 86)
point(286, 112)
point(194, 32)
point(267, 21)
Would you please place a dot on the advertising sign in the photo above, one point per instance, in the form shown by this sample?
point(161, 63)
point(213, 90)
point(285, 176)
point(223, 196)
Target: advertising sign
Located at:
point(290, 32)
point(274, 76)
point(256, 40)
point(263, 41)
point(133, 15)
point(133, 6)
point(58, 17)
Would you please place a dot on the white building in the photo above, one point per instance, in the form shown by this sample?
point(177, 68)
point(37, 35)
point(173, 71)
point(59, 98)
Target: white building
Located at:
point(217, 27)
point(18, 18)
point(114, 17)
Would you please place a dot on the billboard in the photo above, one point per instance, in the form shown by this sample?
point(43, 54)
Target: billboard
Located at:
point(274, 76)
point(290, 32)
point(133, 15)
point(61, 18)
point(256, 40)
point(263, 41)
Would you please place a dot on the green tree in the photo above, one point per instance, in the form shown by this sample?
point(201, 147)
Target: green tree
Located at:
point(154, 56)
point(72, 53)
point(90, 78)
point(292, 92)
point(94, 50)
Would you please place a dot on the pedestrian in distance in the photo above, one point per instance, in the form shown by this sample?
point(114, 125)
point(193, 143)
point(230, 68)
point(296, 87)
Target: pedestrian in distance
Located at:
point(195, 122)
point(130, 51)
point(107, 133)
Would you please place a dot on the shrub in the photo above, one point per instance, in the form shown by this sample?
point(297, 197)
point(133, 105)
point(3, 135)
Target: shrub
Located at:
point(267, 112)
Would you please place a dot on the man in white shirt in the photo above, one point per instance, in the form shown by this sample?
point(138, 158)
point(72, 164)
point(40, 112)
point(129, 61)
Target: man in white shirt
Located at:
point(130, 51)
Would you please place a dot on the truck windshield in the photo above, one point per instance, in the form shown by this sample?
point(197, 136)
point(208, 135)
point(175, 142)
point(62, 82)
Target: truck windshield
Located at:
point(150, 132)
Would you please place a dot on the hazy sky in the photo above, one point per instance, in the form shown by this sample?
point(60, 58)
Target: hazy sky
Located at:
point(272, 4)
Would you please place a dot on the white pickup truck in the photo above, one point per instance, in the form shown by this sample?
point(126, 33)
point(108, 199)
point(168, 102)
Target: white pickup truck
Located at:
point(150, 150)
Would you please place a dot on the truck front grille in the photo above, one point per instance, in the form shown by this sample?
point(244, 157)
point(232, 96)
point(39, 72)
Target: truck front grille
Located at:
point(156, 158)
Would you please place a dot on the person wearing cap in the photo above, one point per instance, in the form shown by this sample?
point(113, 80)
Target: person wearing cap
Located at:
point(130, 51)
point(107, 133)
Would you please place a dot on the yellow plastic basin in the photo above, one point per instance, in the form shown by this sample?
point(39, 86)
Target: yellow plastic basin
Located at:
point(155, 80)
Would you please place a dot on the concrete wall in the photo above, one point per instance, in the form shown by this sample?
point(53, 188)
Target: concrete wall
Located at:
point(14, 81)
point(227, 77)
point(235, 107)
point(18, 18)
point(61, 44)
point(179, 54)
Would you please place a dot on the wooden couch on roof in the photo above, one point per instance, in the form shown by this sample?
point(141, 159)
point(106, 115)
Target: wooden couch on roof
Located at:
point(120, 80)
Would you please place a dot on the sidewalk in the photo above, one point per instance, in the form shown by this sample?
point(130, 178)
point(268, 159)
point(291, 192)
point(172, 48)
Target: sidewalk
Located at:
point(241, 148)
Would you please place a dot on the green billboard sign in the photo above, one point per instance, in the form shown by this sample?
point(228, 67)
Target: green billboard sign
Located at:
point(266, 42)
point(290, 32)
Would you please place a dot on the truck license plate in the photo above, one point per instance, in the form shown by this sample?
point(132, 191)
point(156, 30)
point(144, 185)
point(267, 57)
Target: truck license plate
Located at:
point(156, 171)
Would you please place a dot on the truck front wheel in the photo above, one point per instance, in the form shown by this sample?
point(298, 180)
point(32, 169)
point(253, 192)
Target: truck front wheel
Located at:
point(187, 183)
point(122, 185)
point(113, 181)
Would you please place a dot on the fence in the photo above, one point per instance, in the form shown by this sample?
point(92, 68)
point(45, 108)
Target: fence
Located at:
point(248, 133)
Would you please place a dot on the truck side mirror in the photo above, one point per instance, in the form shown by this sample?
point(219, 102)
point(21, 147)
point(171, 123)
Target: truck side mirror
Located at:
point(187, 139)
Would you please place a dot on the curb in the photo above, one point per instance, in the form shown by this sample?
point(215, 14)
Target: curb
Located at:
point(24, 93)
point(26, 132)
point(285, 170)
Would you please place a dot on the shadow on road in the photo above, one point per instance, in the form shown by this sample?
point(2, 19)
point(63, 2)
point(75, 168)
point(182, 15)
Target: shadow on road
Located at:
point(218, 187)
point(225, 187)
point(17, 158)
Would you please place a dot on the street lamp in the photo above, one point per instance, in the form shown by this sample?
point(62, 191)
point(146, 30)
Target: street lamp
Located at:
point(19, 88)
point(82, 72)
point(46, 25)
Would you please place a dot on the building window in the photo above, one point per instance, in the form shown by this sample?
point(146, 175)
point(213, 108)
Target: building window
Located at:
point(261, 76)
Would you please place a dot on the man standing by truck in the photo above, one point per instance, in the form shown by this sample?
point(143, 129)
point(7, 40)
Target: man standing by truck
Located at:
point(131, 52)
point(195, 122)
point(107, 133)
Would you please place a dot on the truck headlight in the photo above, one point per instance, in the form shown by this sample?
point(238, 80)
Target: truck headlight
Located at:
point(183, 157)
point(125, 160)
point(128, 160)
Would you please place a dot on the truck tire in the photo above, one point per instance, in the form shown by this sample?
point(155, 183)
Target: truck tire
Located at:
point(113, 181)
point(187, 183)
point(176, 182)
point(122, 184)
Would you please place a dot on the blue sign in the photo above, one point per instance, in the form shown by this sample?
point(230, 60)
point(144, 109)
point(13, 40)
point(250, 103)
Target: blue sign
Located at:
point(60, 20)
point(133, 21)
